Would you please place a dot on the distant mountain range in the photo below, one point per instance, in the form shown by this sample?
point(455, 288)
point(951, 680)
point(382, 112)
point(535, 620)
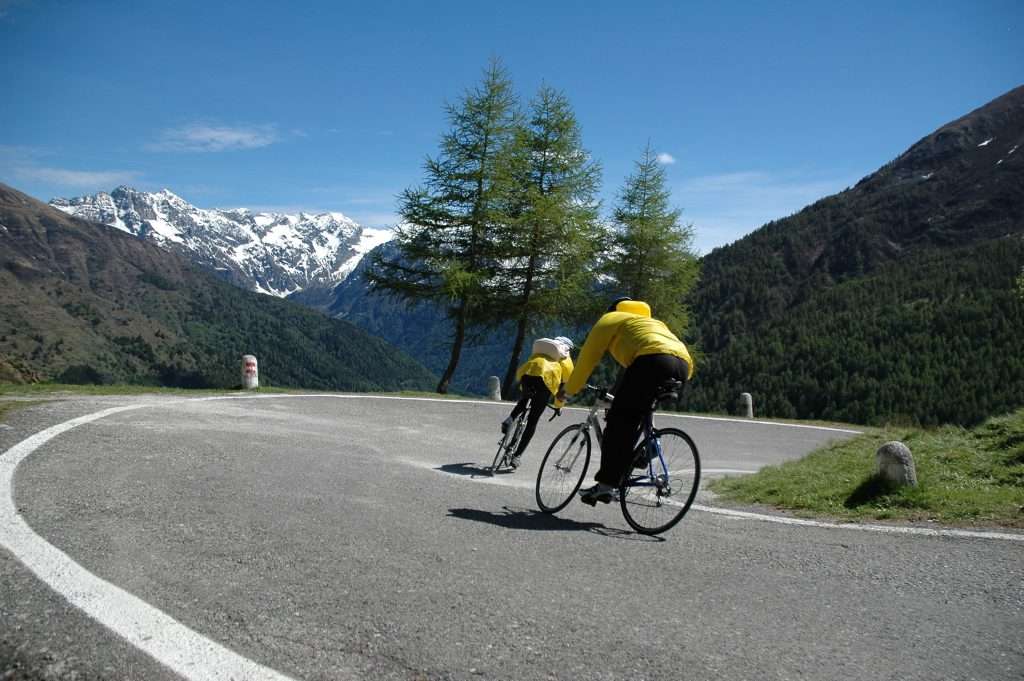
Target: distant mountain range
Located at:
point(82, 302)
point(273, 253)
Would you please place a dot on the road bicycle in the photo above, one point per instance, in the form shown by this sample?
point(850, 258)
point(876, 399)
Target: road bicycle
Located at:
point(658, 491)
point(509, 442)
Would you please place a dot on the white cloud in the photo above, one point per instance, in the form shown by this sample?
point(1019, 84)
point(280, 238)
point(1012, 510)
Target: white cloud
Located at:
point(726, 207)
point(666, 159)
point(201, 137)
point(79, 179)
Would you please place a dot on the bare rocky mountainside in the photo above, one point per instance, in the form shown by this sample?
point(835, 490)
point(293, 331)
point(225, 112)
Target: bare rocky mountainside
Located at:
point(84, 302)
point(274, 253)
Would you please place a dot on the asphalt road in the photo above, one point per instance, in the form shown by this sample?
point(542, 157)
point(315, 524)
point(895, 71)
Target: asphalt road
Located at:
point(353, 538)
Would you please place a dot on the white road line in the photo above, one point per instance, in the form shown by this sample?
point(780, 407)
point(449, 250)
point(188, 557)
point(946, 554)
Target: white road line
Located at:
point(890, 529)
point(750, 422)
point(506, 405)
point(735, 471)
point(782, 520)
point(157, 634)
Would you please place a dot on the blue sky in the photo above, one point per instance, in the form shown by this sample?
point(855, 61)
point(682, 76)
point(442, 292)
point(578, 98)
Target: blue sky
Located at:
point(759, 107)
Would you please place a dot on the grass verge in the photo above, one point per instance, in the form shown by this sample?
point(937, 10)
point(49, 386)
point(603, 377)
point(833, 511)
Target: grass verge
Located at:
point(965, 477)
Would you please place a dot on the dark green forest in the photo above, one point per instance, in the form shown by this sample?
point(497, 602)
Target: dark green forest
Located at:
point(935, 338)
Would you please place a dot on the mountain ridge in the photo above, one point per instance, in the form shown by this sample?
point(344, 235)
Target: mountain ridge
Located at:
point(950, 211)
point(274, 253)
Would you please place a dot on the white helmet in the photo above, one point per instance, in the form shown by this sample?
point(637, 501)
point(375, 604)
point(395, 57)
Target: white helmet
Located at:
point(567, 342)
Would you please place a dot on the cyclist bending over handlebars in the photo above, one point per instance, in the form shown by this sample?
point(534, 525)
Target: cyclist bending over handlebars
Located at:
point(538, 377)
point(652, 356)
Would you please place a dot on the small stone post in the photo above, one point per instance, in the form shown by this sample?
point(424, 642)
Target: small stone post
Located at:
point(895, 464)
point(250, 373)
point(494, 388)
point(747, 404)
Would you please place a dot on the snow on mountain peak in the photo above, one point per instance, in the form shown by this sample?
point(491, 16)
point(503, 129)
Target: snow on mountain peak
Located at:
point(273, 253)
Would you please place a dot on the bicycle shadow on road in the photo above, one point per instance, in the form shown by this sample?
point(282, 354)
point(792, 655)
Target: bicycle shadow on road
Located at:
point(529, 519)
point(471, 470)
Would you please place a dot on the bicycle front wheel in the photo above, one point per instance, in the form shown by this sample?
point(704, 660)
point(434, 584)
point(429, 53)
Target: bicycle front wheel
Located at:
point(563, 468)
point(657, 497)
point(503, 447)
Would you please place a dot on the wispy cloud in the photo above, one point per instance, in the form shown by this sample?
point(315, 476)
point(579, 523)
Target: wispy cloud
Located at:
point(726, 207)
point(78, 179)
point(202, 137)
point(666, 159)
point(29, 165)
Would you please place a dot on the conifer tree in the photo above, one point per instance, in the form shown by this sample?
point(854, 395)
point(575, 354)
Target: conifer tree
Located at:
point(447, 243)
point(651, 256)
point(552, 234)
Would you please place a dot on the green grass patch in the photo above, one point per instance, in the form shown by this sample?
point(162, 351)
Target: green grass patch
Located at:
point(965, 477)
point(8, 406)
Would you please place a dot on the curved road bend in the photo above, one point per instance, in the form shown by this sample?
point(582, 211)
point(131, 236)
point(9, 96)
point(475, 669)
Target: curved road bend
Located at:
point(340, 538)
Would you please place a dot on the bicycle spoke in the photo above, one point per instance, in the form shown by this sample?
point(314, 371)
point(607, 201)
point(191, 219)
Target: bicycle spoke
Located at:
point(563, 468)
point(657, 499)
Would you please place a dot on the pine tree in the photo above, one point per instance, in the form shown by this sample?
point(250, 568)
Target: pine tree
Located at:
point(552, 235)
point(652, 256)
point(447, 242)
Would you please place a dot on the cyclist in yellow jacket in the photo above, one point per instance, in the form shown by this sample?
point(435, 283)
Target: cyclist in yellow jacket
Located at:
point(538, 377)
point(651, 355)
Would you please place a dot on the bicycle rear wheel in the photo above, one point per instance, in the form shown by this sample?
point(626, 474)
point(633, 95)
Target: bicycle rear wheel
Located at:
point(563, 468)
point(657, 497)
point(503, 446)
point(509, 443)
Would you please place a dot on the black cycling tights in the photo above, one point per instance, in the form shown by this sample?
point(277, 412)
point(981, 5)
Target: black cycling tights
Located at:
point(634, 394)
point(536, 393)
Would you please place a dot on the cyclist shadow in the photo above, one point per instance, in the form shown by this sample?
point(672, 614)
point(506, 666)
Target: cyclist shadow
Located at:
point(471, 470)
point(529, 519)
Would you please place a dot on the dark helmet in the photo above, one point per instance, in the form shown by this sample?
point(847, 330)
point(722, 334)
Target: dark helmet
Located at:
point(615, 303)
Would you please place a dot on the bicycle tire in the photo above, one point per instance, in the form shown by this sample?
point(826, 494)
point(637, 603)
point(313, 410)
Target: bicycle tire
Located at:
point(563, 468)
point(499, 457)
point(648, 504)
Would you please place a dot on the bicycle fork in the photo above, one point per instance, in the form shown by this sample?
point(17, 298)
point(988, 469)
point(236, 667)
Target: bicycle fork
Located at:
point(571, 452)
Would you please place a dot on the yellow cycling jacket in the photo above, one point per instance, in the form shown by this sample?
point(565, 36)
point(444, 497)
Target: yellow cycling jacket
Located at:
point(627, 336)
point(553, 373)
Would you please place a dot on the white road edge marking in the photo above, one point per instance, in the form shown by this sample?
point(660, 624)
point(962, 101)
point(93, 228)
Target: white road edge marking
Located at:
point(169, 642)
point(186, 652)
point(745, 515)
point(890, 529)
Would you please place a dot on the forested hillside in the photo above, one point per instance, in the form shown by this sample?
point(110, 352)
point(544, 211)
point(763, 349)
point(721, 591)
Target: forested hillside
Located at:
point(82, 302)
point(891, 300)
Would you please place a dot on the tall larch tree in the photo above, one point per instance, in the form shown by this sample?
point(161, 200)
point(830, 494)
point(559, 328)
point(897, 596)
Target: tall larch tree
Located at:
point(447, 242)
point(552, 234)
point(651, 256)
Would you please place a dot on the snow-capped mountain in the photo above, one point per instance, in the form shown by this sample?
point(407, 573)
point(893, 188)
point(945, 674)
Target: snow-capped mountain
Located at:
point(273, 253)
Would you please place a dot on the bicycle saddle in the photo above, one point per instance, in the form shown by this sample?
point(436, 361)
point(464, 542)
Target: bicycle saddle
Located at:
point(669, 391)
